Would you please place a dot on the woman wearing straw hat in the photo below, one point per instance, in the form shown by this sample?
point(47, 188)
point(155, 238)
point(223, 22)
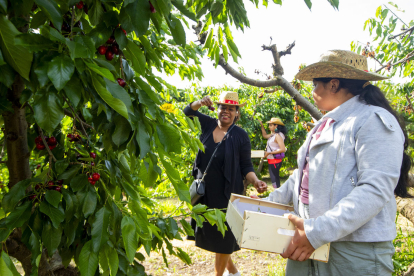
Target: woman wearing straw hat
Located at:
point(229, 165)
point(349, 168)
point(275, 149)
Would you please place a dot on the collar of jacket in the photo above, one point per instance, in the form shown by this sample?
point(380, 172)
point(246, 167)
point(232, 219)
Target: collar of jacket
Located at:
point(342, 112)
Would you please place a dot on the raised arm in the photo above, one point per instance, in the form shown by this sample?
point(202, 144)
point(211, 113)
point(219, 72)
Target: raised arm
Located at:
point(264, 134)
point(191, 110)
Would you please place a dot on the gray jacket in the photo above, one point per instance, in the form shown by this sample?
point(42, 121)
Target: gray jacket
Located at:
point(353, 170)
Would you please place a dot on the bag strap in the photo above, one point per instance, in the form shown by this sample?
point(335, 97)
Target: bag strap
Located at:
point(215, 150)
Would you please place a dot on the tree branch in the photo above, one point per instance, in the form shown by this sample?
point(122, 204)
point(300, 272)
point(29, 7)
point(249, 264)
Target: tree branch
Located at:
point(410, 55)
point(409, 102)
point(405, 31)
point(277, 81)
point(277, 67)
point(396, 15)
point(288, 50)
point(46, 146)
point(74, 115)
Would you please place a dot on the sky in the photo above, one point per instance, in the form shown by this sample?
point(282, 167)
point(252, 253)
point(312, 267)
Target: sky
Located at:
point(314, 32)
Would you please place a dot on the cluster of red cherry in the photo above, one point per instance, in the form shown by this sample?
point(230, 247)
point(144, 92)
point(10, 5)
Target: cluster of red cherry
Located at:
point(50, 185)
point(73, 137)
point(51, 142)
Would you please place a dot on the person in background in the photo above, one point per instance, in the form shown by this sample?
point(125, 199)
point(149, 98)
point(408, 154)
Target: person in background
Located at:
point(350, 167)
point(275, 149)
point(231, 163)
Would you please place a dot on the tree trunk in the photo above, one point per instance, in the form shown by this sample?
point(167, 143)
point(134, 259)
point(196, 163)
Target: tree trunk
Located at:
point(406, 207)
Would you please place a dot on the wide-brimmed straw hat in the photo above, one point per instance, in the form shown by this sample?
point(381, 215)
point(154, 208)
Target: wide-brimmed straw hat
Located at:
point(229, 98)
point(275, 121)
point(339, 64)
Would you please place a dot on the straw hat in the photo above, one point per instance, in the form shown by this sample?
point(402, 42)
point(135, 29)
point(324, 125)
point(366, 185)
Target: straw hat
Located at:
point(339, 64)
point(229, 98)
point(275, 121)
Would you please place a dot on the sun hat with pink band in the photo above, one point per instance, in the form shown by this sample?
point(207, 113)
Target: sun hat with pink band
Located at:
point(229, 98)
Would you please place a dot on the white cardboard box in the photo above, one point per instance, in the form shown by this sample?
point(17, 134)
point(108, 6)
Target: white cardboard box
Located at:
point(258, 153)
point(260, 225)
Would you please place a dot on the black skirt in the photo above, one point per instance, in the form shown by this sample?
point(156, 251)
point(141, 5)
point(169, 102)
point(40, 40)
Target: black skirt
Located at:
point(208, 237)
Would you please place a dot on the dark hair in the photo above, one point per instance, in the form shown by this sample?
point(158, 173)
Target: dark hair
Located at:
point(280, 128)
point(372, 95)
point(237, 109)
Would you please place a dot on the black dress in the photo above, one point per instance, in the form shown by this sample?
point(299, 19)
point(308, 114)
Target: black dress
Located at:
point(208, 237)
point(225, 176)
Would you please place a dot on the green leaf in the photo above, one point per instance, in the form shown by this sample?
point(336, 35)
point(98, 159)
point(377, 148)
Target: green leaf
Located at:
point(56, 215)
point(88, 260)
point(7, 267)
point(207, 45)
point(129, 237)
point(220, 223)
point(70, 173)
point(187, 227)
point(179, 4)
point(120, 93)
point(100, 70)
point(122, 130)
point(51, 237)
point(233, 47)
point(174, 176)
point(170, 137)
point(135, 17)
point(33, 42)
point(150, 51)
point(52, 10)
point(19, 215)
point(143, 139)
point(108, 259)
point(3, 6)
point(16, 56)
point(199, 208)
point(2, 62)
point(81, 47)
point(16, 193)
point(309, 4)
point(61, 166)
point(37, 20)
point(137, 58)
point(120, 38)
point(116, 104)
point(68, 197)
point(177, 30)
point(60, 71)
point(89, 204)
point(144, 86)
point(95, 12)
point(145, 99)
point(53, 197)
point(100, 229)
point(7, 75)
point(48, 110)
point(52, 34)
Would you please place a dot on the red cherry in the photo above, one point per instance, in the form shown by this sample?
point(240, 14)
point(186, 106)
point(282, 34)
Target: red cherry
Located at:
point(121, 82)
point(115, 49)
point(92, 164)
point(70, 136)
point(109, 55)
point(152, 9)
point(38, 166)
point(124, 31)
point(110, 40)
point(60, 182)
point(102, 49)
point(38, 187)
point(211, 108)
point(38, 140)
point(91, 181)
point(96, 176)
point(50, 185)
point(58, 188)
point(40, 146)
point(79, 5)
point(52, 141)
point(93, 155)
point(32, 197)
point(52, 147)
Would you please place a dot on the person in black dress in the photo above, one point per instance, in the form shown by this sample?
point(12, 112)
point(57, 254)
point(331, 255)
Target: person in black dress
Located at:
point(231, 163)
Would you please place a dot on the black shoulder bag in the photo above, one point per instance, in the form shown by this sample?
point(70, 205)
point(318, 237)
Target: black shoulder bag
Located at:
point(198, 187)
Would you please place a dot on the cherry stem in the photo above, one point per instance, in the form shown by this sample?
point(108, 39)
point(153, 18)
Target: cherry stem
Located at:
point(46, 145)
point(77, 117)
